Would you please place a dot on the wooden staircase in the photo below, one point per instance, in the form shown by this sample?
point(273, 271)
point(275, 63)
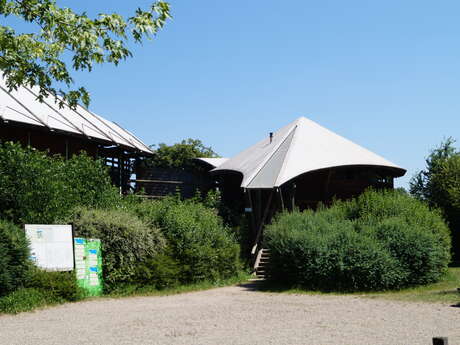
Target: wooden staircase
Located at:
point(261, 264)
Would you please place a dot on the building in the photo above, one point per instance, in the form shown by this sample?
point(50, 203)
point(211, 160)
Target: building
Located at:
point(65, 131)
point(299, 166)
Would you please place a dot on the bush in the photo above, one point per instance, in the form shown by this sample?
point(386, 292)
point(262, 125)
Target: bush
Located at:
point(160, 272)
point(14, 254)
point(41, 288)
point(126, 241)
point(37, 188)
point(381, 240)
point(23, 300)
point(56, 286)
point(204, 248)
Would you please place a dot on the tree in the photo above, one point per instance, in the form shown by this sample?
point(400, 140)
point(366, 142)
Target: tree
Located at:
point(448, 176)
point(180, 155)
point(37, 59)
point(422, 185)
point(439, 185)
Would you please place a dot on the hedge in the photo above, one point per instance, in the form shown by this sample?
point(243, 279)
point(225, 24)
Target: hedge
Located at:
point(199, 242)
point(380, 240)
point(14, 254)
point(126, 241)
point(38, 188)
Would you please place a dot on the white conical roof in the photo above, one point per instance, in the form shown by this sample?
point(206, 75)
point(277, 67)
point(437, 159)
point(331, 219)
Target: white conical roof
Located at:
point(22, 106)
point(300, 147)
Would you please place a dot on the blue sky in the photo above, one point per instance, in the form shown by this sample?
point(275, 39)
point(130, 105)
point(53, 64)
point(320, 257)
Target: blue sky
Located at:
point(385, 75)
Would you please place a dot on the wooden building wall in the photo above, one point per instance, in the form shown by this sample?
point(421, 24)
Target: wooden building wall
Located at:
point(158, 182)
point(119, 161)
point(42, 140)
point(343, 183)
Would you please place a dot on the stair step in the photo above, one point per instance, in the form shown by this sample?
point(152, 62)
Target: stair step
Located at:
point(264, 261)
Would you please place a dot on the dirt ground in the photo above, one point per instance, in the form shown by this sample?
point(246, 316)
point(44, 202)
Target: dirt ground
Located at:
point(235, 315)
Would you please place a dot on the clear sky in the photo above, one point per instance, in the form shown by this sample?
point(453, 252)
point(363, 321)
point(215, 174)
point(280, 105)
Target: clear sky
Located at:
point(384, 74)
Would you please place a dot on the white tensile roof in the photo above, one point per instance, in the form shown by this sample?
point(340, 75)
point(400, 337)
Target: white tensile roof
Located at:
point(22, 106)
point(300, 147)
point(214, 162)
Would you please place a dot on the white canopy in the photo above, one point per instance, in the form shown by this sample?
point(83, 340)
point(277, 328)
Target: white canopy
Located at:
point(22, 106)
point(300, 147)
point(214, 162)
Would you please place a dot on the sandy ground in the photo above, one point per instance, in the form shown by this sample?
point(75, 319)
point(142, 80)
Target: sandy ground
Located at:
point(235, 315)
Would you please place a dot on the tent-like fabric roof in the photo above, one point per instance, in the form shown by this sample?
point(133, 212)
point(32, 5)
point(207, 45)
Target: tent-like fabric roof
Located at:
point(22, 106)
point(214, 162)
point(300, 147)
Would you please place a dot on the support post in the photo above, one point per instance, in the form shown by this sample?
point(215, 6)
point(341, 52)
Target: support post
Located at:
point(261, 225)
point(281, 198)
point(120, 172)
point(253, 220)
point(258, 206)
point(326, 187)
point(293, 188)
point(67, 149)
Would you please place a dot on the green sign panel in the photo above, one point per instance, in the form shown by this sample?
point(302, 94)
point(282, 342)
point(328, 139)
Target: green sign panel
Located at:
point(88, 265)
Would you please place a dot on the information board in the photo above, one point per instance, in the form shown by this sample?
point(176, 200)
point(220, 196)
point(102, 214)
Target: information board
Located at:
point(88, 264)
point(51, 246)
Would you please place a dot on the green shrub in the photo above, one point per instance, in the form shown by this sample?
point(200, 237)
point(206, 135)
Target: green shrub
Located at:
point(160, 272)
point(422, 255)
point(24, 300)
point(37, 188)
point(381, 240)
point(14, 253)
point(126, 241)
point(86, 182)
point(41, 288)
point(204, 248)
point(56, 286)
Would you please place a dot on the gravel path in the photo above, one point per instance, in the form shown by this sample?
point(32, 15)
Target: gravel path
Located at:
point(235, 315)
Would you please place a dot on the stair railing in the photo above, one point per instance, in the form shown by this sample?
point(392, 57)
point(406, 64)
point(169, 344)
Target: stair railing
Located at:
point(258, 257)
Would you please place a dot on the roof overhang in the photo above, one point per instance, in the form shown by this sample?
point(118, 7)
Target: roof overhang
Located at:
point(301, 147)
point(22, 108)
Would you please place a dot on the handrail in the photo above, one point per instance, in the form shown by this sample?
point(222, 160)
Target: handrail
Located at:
point(259, 256)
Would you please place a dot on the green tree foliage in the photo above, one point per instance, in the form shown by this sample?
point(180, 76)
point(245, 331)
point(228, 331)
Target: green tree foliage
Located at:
point(37, 58)
point(14, 254)
point(439, 185)
point(448, 176)
point(421, 185)
point(37, 188)
point(381, 240)
point(126, 240)
point(180, 155)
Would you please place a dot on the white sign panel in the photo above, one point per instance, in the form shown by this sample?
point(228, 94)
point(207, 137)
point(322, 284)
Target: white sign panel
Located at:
point(51, 246)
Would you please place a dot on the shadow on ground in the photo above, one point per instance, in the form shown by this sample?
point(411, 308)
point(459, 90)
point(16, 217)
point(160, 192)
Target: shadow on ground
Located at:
point(264, 286)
